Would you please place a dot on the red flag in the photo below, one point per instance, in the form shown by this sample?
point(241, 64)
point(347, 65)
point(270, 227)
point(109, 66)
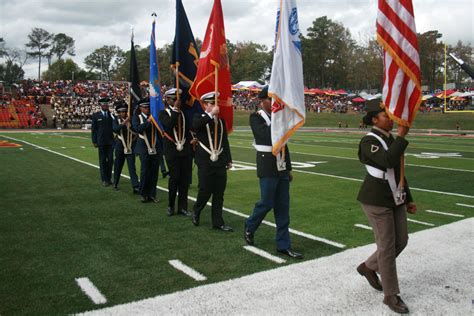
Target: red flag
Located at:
point(396, 33)
point(214, 54)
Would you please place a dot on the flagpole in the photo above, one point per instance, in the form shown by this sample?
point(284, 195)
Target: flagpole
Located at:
point(445, 78)
point(216, 101)
point(129, 131)
point(178, 97)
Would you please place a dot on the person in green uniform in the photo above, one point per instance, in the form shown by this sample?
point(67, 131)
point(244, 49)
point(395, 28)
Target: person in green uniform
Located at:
point(385, 201)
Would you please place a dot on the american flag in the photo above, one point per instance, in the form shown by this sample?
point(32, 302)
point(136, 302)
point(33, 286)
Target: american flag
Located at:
point(396, 33)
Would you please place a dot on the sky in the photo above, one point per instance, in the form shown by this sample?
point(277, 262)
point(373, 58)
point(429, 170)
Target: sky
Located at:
point(93, 24)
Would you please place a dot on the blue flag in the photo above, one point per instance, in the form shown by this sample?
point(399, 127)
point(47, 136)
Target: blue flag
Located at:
point(156, 100)
point(185, 59)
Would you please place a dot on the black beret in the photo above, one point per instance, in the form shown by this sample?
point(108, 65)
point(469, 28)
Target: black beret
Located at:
point(373, 107)
point(264, 93)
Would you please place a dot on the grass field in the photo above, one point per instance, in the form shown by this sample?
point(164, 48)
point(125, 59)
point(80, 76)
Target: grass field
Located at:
point(58, 223)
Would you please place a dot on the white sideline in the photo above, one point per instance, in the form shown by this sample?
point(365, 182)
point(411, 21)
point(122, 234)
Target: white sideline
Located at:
point(293, 231)
point(91, 291)
point(363, 226)
point(178, 265)
point(420, 222)
point(435, 275)
point(444, 213)
point(264, 254)
point(465, 205)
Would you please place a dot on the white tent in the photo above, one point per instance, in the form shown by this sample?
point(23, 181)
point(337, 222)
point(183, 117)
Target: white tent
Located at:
point(248, 84)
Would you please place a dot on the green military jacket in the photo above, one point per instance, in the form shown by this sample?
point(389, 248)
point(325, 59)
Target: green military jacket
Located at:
point(376, 191)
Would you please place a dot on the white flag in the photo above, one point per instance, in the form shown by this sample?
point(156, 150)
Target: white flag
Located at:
point(286, 82)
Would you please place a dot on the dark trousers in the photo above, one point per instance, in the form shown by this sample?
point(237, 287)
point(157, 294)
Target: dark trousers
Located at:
point(391, 236)
point(149, 174)
point(274, 194)
point(178, 182)
point(212, 181)
point(118, 166)
point(106, 160)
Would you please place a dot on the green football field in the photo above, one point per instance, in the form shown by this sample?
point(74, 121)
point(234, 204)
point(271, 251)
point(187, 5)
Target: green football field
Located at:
point(57, 223)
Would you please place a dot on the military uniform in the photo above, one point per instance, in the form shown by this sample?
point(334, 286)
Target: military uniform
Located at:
point(124, 149)
point(274, 177)
point(178, 154)
point(103, 138)
point(148, 148)
point(212, 160)
point(384, 203)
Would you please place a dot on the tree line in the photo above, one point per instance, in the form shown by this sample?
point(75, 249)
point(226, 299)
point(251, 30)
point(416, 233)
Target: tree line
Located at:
point(331, 59)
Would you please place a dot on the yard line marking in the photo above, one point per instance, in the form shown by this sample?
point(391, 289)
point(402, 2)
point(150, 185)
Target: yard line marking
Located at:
point(90, 290)
point(420, 222)
point(444, 213)
point(293, 231)
point(178, 265)
point(360, 180)
point(465, 205)
point(264, 254)
point(349, 158)
point(363, 226)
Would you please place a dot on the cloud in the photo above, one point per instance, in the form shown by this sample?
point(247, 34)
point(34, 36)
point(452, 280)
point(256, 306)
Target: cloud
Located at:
point(105, 22)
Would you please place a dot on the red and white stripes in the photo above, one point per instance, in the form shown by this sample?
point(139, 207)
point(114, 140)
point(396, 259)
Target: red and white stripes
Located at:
point(396, 33)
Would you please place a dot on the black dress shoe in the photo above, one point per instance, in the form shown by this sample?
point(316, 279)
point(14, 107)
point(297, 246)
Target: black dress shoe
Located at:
point(184, 213)
point(195, 220)
point(395, 303)
point(224, 228)
point(290, 253)
point(145, 199)
point(170, 211)
point(105, 183)
point(109, 182)
point(370, 275)
point(116, 188)
point(248, 236)
point(136, 191)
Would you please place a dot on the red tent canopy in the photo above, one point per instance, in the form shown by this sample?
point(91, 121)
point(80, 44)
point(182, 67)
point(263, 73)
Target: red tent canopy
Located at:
point(358, 99)
point(341, 91)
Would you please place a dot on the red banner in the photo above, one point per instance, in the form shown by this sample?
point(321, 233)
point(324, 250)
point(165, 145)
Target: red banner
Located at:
point(214, 55)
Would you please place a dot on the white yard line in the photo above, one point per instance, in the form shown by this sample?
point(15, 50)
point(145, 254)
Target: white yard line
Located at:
point(264, 254)
point(360, 180)
point(178, 265)
point(444, 213)
point(465, 205)
point(363, 226)
point(90, 290)
point(420, 222)
point(293, 231)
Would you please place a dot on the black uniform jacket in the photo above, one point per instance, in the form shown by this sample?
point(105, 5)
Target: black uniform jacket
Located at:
point(169, 122)
point(202, 157)
point(266, 161)
point(117, 126)
point(102, 133)
point(376, 191)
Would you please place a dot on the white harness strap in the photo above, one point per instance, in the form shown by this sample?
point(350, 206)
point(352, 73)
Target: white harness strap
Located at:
point(389, 175)
point(213, 152)
point(151, 151)
point(178, 142)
